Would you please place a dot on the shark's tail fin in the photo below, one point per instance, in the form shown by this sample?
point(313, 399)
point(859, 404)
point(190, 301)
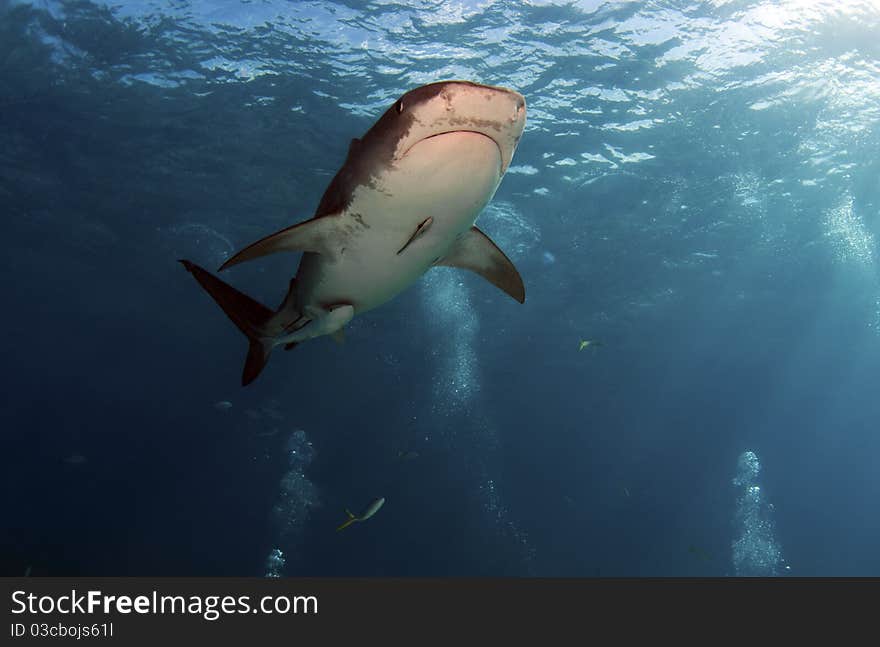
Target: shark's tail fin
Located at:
point(248, 315)
point(351, 520)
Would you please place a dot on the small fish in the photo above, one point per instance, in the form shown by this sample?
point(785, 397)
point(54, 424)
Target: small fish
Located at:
point(407, 455)
point(588, 342)
point(27, 572)
point(223, 405)
point(372, 509)
point(75, 459)
point(626, 492)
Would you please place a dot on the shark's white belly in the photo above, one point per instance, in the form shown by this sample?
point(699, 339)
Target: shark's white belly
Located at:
point(448, 178)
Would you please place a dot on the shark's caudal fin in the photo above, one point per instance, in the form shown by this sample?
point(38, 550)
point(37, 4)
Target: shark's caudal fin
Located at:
point(248, 315)
point(351, 520)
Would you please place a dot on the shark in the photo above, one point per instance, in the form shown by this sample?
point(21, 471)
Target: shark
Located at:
point(405, 200)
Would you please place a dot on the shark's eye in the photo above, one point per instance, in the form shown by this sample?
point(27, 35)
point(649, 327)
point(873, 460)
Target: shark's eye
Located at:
point(400, 106)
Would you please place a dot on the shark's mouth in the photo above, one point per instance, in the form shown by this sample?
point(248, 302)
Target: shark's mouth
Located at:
point(457, 132)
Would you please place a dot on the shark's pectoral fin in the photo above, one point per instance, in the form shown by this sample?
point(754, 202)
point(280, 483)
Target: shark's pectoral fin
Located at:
point(339, 336)
point(476, 252)
point(322, 235)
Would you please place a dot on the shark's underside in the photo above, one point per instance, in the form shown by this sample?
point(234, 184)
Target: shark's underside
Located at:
point(405, 200)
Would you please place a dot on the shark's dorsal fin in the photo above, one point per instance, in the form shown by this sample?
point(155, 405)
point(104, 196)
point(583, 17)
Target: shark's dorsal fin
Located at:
point(476, 252)
point(353, 148)
point(319, 235)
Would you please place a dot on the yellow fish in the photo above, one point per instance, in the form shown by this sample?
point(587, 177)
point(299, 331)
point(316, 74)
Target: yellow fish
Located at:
point(372, 509)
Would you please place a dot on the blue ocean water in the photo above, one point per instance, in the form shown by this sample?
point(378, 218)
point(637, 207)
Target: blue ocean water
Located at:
point(697, 189)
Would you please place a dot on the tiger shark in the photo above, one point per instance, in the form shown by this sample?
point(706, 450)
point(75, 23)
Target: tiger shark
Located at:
point(405, 200)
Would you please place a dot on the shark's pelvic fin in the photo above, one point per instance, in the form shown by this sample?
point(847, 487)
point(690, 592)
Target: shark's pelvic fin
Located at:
point(476, 252)
point(289, 302)
point(248, 315)
point(321, 321)
point(319, 235)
